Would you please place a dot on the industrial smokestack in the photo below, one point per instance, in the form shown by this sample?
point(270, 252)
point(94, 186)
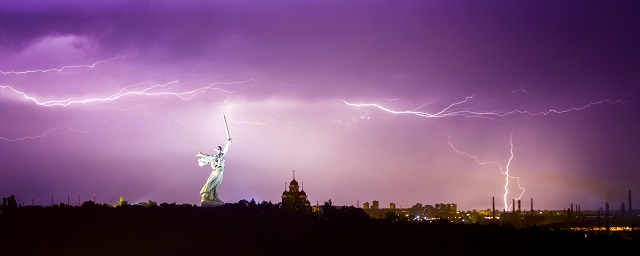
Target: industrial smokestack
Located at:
point(571, 211)
point(513, 205)
point(493, 209)
point(532, 205)
point(519, 210)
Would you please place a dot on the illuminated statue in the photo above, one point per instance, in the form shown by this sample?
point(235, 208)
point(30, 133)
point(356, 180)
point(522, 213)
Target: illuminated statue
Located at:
point(209, 191)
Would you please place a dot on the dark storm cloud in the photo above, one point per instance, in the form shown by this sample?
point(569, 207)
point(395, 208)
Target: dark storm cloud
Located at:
point(118, 26)
point(450, 43)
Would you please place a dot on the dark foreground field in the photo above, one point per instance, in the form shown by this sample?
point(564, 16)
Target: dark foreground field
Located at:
point(254, 230)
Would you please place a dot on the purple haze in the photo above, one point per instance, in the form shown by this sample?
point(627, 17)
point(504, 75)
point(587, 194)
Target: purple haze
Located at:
point(294, 62)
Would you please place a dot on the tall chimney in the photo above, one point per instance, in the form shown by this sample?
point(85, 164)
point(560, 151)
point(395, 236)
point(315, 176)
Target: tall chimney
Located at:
point(571, 211)
point(513, 205)
point(493, 209)
point(532, 205)
point(519, 205)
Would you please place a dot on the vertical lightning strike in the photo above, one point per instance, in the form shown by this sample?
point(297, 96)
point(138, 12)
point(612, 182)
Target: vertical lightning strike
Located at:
point(507, 175)
point(504, 170)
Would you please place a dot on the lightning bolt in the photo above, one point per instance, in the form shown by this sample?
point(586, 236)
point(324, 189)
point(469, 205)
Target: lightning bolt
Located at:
point(443, 113)
point(456, 109)
point(521, 89)
point(350, 120)
point(44, 134)
point(462, 109)
point(504, 170)
point(171, 88)
point(272, 120)
point(154, 90)
point(62, 68)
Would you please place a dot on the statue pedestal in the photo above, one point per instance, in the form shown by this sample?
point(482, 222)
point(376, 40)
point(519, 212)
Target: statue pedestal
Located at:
point(211, 204)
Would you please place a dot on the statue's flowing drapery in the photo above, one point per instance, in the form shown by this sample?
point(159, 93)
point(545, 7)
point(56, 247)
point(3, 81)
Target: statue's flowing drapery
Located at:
point(209, 191)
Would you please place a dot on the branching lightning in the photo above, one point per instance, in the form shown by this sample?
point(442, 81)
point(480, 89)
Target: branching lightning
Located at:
point(504, 170)
point(350, 120)
point(443, 113)
point(254, 122)
point(60, 69)
point(133, 92)
point(455, 109)
point(44, 134)
point(154, 90)
point(521, 90)
point(462, 109)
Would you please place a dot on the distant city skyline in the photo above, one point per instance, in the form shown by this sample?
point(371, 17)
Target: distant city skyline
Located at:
point(402, 102)
point(373, 204)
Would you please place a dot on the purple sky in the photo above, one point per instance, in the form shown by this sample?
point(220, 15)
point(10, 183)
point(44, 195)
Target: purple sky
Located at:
point(558, 79)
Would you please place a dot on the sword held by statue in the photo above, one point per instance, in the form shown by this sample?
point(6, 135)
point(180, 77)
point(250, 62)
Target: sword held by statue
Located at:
point(226, 126)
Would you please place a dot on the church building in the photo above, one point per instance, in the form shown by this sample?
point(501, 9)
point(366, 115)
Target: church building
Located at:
point(295, 200)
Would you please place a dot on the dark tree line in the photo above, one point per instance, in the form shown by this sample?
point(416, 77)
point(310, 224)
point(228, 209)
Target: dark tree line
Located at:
point(264, 228)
